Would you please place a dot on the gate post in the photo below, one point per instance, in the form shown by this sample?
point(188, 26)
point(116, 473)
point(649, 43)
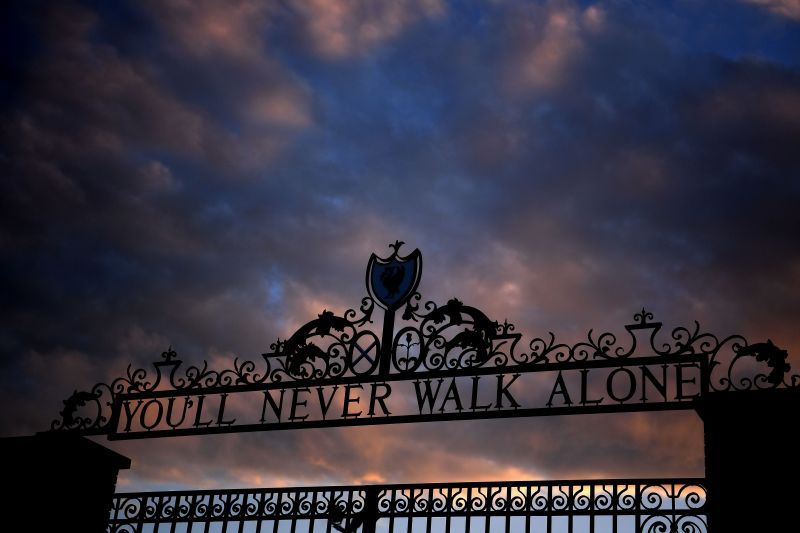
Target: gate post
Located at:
point(751, 459)
point(370, 509)
point(58, 482)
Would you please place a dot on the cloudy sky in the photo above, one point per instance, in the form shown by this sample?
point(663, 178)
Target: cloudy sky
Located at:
point(211, 175)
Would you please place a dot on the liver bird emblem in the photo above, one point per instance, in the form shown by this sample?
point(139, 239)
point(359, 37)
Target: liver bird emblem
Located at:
point(391, 278)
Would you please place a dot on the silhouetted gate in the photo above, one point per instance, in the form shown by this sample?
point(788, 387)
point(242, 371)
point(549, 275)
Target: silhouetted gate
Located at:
point(654, 505)
point(448, 362)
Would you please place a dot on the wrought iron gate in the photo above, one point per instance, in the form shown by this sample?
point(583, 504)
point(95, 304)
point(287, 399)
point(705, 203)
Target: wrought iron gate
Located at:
point(618, 505)
point(457, 364)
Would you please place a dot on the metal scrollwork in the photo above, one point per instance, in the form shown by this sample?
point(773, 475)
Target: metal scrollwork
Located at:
point(328, 347)
point(450, 339)
point(453, 336)
point(653, 504)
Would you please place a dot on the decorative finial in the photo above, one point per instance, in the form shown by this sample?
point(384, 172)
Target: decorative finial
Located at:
point(170, 354)
point(396, 246)
point(643, 317)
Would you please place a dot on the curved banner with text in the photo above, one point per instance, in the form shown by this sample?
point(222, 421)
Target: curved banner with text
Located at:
point(599, 387)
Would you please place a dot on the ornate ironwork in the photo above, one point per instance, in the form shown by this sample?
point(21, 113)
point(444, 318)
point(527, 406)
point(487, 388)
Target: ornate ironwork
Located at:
point(453, 339)
point(649, 505)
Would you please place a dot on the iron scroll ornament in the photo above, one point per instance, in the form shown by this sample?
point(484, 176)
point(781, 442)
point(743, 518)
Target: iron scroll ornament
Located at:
point(656, 505)
point(453, 339)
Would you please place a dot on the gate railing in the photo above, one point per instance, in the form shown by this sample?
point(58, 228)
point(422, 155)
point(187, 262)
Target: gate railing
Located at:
point(614, 505)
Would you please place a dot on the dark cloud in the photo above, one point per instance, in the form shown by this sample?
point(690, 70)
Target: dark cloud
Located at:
point(177, 173)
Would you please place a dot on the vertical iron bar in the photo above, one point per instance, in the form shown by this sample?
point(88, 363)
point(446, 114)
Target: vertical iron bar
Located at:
point(242, 511)
point(638, 508)
point(469, 510)
point(313, 515)
point(615, 500)
point(508, 509)
point(192, 511)
point(487, 525)
point(174, 521)
point(226, 508)
point(528, 501)
point(260, 511)
point(392, 503)
point(276, 518)
point(386, 342)
point(295, 511)
point(370, 511)
point(349, 507)
point(331, 503)
point(429, 517)
point(207, 517)
point(239, 518)
point(140, 523)
point(570, 506)
point(550, 508)
point(448, 508)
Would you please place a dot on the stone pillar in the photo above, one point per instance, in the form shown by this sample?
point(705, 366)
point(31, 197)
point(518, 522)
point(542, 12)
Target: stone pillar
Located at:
point(58, 482)
point(752, 459)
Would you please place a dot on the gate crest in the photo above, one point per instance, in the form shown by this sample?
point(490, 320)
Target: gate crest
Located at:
point(457, 362)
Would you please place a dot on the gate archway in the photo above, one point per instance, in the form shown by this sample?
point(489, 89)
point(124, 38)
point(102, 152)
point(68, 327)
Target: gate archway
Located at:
point(454, 363)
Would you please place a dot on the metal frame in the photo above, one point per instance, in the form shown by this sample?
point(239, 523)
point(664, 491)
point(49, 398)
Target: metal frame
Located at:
point(447, 341)
point(453, 340)
point(653, 505)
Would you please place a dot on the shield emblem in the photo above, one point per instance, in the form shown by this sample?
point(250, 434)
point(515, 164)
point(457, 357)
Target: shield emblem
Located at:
point(392, 280)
